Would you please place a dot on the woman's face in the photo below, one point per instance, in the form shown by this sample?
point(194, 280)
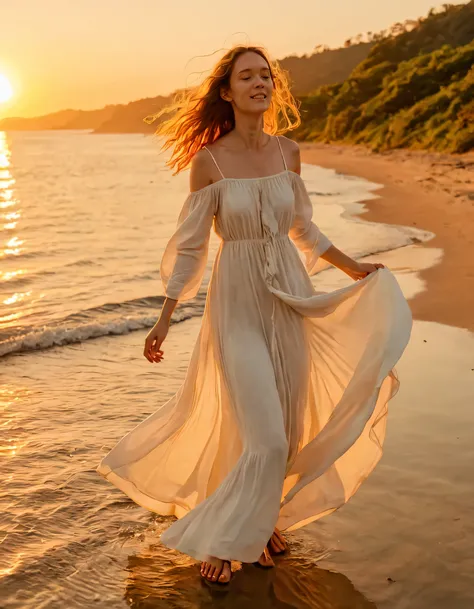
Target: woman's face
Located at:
point(251, 83)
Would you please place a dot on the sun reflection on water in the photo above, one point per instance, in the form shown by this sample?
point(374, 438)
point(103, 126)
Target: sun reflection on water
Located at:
point(7, 199)
point(12, 568)
point(13, 442)
point(12, 304)
point(10, 442)
point(11, 274)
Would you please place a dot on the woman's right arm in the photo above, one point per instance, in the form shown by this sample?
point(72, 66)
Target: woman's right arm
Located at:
point(190, 241)
point(159, 332)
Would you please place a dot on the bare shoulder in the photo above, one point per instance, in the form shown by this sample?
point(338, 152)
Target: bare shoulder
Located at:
point(291, 150)
point(201, 171)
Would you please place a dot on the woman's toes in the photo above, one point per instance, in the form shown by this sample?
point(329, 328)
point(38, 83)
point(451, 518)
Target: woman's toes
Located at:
point(275, 545)
point(278, 541)
point(213, 573)
point(226, 573)
point(279, 544)
point(281, 538)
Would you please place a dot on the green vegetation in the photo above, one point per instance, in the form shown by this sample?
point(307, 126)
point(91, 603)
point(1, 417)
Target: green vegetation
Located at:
point(415, 89)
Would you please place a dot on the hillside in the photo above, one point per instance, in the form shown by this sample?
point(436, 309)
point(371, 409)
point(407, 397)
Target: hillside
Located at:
point(415, 90)
point(326, 67)
point(307, 73)
point(129, 118)
point(409, 86)
point(64, 119)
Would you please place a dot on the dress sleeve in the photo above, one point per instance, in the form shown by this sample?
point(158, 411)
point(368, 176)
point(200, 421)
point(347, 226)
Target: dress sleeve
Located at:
point(185, 256)
point(304, 232)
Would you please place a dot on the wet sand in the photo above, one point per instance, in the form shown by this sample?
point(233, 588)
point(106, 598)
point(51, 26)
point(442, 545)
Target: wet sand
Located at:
point(431, 191)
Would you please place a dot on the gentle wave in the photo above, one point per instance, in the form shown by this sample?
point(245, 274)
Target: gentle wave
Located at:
point(118, 318)
point(108, 319)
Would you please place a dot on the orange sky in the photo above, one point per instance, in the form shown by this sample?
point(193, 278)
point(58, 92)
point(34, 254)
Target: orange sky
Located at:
point(62, 54)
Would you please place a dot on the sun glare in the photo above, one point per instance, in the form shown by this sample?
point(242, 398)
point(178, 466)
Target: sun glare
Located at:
point(6, 90)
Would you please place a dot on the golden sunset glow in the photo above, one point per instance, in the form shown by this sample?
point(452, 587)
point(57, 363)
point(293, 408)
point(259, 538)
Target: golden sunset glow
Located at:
point(67, 73)
point(6, 91)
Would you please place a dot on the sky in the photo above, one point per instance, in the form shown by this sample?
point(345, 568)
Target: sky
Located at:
point(84, 54)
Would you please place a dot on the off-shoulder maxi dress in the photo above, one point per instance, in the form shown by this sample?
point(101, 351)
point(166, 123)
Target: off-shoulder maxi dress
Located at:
point(282, 412)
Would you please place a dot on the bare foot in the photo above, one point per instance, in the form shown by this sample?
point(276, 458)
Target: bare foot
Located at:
point(277, 543)
point(265, 559)
point(215, 569)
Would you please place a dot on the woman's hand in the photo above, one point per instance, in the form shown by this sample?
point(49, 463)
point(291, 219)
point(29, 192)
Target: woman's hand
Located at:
point(356, 270)
point(362, 269)
point(153, 341)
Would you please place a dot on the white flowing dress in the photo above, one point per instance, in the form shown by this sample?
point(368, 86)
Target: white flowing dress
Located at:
point(282, 412)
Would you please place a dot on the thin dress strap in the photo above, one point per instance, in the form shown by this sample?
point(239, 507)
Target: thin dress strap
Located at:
point(282, 155)
point(212, 156)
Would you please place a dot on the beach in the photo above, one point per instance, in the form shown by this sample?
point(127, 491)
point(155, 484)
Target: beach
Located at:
point(76, 381)
point(427, 190)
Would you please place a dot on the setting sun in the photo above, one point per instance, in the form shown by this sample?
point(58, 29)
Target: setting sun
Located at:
point(6, 90)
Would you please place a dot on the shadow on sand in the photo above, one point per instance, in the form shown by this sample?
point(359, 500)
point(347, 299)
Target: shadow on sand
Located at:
point(295, 583)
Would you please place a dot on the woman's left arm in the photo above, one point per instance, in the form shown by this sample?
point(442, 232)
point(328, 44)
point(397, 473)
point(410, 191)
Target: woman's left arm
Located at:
point(356, 270)
point(309, 238)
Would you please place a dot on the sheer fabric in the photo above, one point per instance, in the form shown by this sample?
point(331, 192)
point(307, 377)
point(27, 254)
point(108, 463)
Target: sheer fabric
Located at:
point(282, 413)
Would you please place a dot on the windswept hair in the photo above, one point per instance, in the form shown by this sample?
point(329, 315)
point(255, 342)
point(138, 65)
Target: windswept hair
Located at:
point(200, 116)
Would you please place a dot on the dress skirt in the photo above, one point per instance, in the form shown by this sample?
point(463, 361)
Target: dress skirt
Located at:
point(282, 412)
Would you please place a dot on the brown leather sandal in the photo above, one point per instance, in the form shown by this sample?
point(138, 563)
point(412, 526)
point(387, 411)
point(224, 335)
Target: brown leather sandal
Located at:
point(260, 566)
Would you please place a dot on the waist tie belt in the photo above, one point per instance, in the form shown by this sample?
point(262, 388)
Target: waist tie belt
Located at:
point(269, 226)
point(256, 239)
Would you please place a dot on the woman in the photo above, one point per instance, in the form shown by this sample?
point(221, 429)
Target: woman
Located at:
point(282, 412)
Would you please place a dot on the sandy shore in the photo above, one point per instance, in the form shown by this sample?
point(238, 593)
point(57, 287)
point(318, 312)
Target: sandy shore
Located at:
point(428, 191)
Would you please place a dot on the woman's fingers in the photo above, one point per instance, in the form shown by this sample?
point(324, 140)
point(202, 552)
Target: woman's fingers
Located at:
point(147, 353)
point(152, 351)
point(156, 355)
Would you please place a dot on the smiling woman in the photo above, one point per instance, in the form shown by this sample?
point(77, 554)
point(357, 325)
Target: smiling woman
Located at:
point(6, 90)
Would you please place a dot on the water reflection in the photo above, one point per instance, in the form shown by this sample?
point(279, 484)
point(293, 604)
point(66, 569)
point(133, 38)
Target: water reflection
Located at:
point(295, 583)
point(6, 197)
point(12, 245)
point(10, 442)
point(6, 178)
point(9, 217)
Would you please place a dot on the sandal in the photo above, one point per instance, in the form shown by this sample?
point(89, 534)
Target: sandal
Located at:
point(259, 565)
